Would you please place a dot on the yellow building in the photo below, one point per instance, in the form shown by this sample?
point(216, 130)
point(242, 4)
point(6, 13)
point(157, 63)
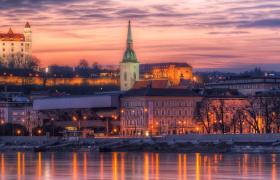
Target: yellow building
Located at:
point(173, 72)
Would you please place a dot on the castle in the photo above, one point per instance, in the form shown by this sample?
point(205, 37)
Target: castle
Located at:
point(15, 48)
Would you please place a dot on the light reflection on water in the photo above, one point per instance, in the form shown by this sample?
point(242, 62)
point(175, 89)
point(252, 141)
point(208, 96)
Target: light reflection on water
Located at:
point(122, 166)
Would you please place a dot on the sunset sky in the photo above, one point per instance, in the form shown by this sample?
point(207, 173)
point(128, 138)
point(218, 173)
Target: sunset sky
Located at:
point(204, 33)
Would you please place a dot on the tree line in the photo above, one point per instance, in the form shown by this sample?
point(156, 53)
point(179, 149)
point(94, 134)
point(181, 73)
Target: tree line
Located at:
point(255, 114)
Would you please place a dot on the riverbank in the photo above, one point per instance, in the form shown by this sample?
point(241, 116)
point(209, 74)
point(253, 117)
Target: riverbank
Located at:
point(228, 143)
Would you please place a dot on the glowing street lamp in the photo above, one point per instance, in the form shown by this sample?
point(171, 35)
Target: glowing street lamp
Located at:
point(18, 132)
point(39, 131)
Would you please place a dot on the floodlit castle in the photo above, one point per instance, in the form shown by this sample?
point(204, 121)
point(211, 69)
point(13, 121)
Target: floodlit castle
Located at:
point(129, 67)
point(16, 48)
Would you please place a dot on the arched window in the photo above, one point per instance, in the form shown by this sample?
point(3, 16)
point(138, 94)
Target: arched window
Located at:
point(125, 76)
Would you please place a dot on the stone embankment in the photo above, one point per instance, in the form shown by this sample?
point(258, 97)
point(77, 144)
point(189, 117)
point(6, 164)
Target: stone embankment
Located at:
point(228, 143)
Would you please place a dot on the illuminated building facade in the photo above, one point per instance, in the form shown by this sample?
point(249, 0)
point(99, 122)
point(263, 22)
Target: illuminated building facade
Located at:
point(174, 72)
point(151, 111)
point(16, 46)
point(247, 86)
point(129, 67)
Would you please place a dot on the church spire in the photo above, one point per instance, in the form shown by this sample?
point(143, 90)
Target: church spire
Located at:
point(129, 55)
point(129, 36)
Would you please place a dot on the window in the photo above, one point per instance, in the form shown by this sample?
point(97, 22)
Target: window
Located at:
point(3, 49)
point(12, 44)
point(125, 76)
point(134, 75)
point(3, 44)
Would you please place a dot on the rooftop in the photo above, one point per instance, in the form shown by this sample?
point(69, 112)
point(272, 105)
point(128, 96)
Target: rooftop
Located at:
point(11, 36)
point(160, 92)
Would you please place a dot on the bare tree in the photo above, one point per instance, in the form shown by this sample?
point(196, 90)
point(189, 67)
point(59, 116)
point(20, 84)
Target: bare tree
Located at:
point(252, 111)
point(219, 110)
point(203, 114)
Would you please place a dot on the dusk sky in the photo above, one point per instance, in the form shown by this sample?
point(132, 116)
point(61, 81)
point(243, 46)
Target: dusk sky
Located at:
point(204, 33)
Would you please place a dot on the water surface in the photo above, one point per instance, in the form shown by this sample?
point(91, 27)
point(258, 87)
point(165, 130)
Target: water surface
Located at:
point(122, 166)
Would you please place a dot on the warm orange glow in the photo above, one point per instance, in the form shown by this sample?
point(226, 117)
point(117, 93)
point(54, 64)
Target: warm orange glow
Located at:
point(273, 168)
point(179, 166)
point(2, 165)
point(16, 80)
point(23, 164)
point(85, 165)
point(198, 165)
point(146, 166)
point(115, 166)
point(18, 165)
point(74, 118)
point(18, 132)
point(157, 166)
point(101, 167)
point(185, 167)
point(75, 166)
point(39, 165)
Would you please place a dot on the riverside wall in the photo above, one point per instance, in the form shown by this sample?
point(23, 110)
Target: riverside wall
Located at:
point(215, 143)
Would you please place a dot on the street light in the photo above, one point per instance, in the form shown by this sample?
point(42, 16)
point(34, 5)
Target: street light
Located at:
point(18, 132)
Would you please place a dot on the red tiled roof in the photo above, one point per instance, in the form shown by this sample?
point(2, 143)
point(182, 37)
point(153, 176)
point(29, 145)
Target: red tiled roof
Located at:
point(11, 36)
point(151, 83)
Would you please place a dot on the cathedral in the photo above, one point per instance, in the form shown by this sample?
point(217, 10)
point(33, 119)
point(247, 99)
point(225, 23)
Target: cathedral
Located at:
point(129, 66)
point(15, 47)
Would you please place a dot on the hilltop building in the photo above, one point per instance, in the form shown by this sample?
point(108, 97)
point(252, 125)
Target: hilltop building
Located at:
point(129, 67)
point(173, 72)
point(15, 46)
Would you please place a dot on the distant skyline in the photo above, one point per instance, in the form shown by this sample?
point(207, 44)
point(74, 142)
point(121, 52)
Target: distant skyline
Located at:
point(204, 33)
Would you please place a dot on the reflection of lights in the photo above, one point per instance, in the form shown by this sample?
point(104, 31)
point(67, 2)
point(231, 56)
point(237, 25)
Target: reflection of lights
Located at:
point(147, 133)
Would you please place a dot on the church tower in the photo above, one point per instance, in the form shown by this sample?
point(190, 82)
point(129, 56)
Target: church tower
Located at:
point(129, 67)
point(27, 32)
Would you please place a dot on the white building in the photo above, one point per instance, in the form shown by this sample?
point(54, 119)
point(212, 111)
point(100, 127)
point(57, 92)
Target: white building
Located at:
point(15, 46)
point(129, 67)
point(247, 86)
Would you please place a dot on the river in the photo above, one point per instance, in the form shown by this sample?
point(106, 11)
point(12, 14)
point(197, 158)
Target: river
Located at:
point(122, 166)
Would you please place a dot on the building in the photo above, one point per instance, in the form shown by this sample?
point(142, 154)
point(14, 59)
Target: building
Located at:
point(174, 72)
point(17, 109)
point(150, 111)
point(98, 113)
point(248, 85)
point(129, 67)
point(15, 46)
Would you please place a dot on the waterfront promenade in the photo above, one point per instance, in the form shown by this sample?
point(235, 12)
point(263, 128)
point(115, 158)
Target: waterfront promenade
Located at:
point(214, 143)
